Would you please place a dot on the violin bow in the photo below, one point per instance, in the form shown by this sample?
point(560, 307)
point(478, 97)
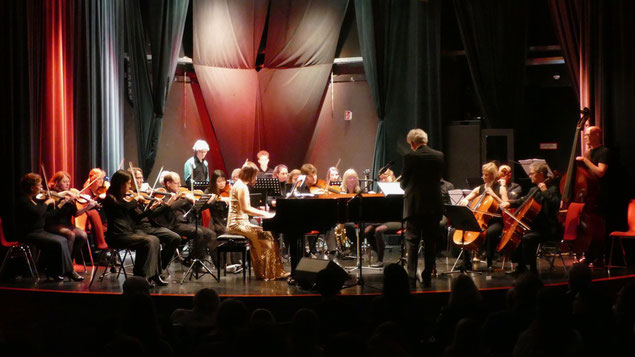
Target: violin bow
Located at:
point(134, 179)
point(48, 189)
point(121, 163)
point(153, 186)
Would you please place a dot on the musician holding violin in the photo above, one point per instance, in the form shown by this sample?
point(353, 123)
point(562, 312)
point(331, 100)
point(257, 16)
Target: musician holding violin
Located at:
point(94, 220)
point(173, 215)
point(31, 214)
point(546, 198)
point(485, 208)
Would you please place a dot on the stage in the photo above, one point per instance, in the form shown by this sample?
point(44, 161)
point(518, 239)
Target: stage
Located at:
point(233, 285)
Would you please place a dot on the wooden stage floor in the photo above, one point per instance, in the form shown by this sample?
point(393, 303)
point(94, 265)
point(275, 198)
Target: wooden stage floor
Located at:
point(234, 285)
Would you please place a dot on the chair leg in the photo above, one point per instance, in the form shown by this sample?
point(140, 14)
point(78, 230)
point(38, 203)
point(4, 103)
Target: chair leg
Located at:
point(123, 263)
point(30, 255)
point(623, 252)
point(96, 267)
point(6, 258)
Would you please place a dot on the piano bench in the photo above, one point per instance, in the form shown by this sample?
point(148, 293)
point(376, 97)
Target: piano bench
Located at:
point(230, 243)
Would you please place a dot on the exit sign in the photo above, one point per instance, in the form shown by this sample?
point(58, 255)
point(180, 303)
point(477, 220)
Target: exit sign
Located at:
point(548, 146)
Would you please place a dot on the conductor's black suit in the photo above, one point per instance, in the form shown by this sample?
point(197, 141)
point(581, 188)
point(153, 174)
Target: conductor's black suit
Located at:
point(422, 210)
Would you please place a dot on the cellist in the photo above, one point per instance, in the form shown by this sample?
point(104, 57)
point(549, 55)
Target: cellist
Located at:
point(545, 226)
point(490, 186)
point(596, 160)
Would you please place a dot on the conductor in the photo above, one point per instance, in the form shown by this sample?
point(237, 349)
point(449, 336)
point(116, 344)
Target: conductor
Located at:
point(422, 210)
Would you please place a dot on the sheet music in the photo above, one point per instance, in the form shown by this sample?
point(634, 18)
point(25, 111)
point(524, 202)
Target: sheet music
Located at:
point(390, 188)
point(526, 163)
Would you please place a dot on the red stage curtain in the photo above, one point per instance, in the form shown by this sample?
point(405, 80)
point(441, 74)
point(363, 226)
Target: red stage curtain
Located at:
point(56, 112)
point(275, 108)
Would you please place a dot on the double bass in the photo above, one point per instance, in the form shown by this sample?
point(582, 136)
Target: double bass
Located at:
point(581, 186)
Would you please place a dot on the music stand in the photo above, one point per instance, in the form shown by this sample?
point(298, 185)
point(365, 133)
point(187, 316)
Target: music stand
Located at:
point(269, 187)
point(461, 217)
point(197, 208)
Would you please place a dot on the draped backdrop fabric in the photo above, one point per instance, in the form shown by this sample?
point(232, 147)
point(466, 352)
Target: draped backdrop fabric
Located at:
point(162, 22)
point(494, 35)
point(401, 50)
point(275, 106)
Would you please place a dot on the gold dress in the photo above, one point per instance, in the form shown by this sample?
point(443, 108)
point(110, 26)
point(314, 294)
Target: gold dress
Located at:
point(265, 254)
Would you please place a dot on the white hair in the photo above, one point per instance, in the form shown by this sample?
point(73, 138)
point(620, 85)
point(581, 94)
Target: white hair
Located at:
point(200, 145)
point(417, 136)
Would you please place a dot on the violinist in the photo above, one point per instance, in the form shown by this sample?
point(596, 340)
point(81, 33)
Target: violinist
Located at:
point(168, 239)
point(235, 174)
point(293, 176)
point(263, 164)
point(218, 212)
point(514, 190)
point(60, 221)
point(545, 226)
point(172, 216)
point(195, 168)
point(312, 184)
point(94, 220)
point(123, 231)
point(332, 175)
point(493, 187)
point(31, 215)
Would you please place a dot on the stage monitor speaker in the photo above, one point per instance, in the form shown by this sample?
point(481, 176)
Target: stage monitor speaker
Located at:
point(306, 272)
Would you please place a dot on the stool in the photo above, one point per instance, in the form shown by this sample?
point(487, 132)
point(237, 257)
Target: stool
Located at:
point(229, 243)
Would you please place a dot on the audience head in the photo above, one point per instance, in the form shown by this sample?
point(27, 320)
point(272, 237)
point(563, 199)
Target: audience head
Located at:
point(232, 317)
point(136, 285)
point(396, 284)
point(624, 308)
point(206, 301)
point(464, 292)
point(526, 288)
point(262, 316)
point(579, 277)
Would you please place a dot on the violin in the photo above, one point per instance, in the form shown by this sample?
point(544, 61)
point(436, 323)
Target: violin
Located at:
point(225, 192)
point(44, 195)
point(101, 190)
point(140, 197)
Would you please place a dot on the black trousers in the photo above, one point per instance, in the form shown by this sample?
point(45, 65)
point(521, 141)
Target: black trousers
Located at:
point(167, 238)
point(418, 228)
point(202, 237)
point(55, 256)
point(146, 246)
point(525, 254)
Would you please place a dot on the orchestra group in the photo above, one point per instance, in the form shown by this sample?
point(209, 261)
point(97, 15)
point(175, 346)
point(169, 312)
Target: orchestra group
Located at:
point(125, 212)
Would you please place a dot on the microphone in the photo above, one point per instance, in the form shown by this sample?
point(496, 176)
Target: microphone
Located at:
point(385, 168)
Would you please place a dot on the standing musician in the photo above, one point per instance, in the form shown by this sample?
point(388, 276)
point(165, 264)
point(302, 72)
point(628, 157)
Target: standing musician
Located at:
point(263, 164)
point(264, 251)
point(422, 171)
point(514, 190)
point(172, 216)
point(60, 222)
point(596, 160)
point(195, 168)
point(31, 215)
point(122, 209)
point(493, 187)
point(545, 225)
point(168, 239)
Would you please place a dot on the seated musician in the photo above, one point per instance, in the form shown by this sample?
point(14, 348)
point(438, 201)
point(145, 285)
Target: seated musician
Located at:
point(263, 164)
point(374, 233)
point(124, 231)
point(491, 187)
point(31, 215)
point(264, 251)
point(514, 190)
point(311, 184)
point(60, 222)
point(332, 175)
point(138, 176)
point(195, 168)
point(218, 211)
point(545, 225)
point(94, 221)
point(234, 177)
point(281, 172)
point(293, 176)
point(169, 240)
point(172, 216)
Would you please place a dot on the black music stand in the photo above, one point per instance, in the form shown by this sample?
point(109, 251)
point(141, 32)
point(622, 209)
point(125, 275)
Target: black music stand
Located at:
point(268, 187)
point(461, 217)
point(200, 185)
point(197, 208)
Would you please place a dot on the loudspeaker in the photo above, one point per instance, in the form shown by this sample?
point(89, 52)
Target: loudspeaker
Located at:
point(306, 272)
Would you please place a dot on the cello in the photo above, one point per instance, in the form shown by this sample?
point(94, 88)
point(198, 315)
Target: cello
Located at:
point(483, 207)
point(581, 186)
point(518, 223)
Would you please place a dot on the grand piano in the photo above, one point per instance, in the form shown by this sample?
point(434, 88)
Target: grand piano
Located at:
point(297, 216)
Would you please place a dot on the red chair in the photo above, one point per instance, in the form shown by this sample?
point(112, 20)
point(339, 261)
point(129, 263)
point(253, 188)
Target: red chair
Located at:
point(17, 250)
point(623, 235)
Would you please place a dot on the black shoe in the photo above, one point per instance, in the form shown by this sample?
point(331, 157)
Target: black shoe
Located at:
point(158, 280)
point(74, 276)
point(58, 277)
point(426, 279)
